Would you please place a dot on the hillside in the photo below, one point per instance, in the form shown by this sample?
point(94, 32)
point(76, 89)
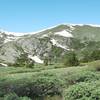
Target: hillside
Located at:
point(58, 63)
point(63, 38)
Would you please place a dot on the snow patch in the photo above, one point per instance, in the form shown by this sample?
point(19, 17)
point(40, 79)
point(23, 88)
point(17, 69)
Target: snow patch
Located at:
point(17, 33)
point(1, 36)
point(54, 42)
point(64, 33)
point(94, 25)
point(3, 64)
point(71, 25)
point(63, 47)
point(36, 59)
point(8, 39)
point(45, 35)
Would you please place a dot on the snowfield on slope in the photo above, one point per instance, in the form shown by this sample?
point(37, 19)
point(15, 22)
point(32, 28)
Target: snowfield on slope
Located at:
point(36, 59)
point(8, 39)
point(54, 42)
point(64, 33)
point(3, 64)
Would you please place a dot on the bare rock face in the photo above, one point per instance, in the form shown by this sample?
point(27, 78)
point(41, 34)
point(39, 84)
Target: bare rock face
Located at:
point(64, 37)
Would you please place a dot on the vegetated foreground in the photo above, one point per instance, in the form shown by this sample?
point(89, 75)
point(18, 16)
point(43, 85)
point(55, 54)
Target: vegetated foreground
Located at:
point(52, 82)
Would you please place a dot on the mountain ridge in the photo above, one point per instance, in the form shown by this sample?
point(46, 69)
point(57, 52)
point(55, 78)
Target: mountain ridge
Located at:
point(34, 32)
point(62, 37)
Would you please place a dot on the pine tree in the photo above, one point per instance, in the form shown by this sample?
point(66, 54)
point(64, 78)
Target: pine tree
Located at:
point(24, 61)
point(71, 59)
point(95, 55)
point(46, 61)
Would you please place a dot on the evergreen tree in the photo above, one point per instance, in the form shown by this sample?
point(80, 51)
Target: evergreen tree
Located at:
point(24, 61)
point(71, 59)
point(86, 56)
point(95, 55)
point(30, 63)
point(46, 61)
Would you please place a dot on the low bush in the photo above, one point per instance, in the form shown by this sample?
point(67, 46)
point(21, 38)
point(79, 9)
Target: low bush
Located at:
point(33, 85)
point(13, 96)
point(83, 91)
point(81, 76)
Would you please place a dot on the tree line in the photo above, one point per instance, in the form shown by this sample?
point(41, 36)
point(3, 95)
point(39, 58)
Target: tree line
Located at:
point(70, 58)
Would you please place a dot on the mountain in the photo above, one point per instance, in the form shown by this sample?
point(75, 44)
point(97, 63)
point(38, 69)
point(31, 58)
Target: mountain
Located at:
point(54, 42)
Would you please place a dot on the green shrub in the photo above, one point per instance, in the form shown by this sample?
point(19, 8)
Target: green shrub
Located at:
point(32, 85)
point(11, 96)
point(83, 91)
point(81, 76)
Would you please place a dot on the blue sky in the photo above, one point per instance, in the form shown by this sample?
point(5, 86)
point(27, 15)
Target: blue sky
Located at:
point(33, 15)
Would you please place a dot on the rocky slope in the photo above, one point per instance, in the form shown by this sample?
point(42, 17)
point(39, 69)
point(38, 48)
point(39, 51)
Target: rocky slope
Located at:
point(52, 42)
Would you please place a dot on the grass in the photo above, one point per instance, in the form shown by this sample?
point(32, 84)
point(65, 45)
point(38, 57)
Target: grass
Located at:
point(45, 80)
point(37, 68)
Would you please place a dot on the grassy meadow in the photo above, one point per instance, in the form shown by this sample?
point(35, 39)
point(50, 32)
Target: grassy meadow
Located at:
point(52, 82)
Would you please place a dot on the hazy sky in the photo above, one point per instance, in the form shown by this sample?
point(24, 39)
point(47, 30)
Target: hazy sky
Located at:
point(33, 15)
